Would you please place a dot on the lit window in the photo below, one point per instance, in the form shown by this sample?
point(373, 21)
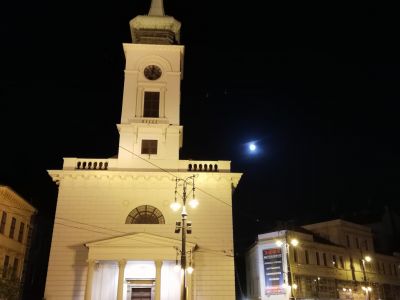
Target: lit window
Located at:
point(145, 214)
point(149, 146)
point(151, 106)
point(341, 262)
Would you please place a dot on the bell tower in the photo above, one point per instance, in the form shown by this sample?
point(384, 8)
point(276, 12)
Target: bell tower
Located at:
point(149, 126)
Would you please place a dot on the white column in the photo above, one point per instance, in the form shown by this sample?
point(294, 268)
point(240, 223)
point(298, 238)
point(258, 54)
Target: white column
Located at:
point(158, 279)
point(121, 274)
point(89, 279)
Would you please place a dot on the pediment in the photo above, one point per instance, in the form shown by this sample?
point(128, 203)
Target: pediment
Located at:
point(139, 240)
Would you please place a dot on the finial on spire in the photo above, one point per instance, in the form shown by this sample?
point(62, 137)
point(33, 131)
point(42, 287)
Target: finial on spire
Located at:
point(157, 8)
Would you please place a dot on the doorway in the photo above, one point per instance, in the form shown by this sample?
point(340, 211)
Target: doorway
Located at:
point(141, 293)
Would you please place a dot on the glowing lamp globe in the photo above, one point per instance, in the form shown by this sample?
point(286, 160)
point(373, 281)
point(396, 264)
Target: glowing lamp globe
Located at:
point(175, 206)
point(177, 268)
point(194, 203)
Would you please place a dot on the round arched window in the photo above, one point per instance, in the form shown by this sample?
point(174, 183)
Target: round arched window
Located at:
point(145, 214)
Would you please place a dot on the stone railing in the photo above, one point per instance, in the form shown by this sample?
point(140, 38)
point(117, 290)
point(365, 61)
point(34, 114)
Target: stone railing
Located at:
point(91, 164)
point(202, 167)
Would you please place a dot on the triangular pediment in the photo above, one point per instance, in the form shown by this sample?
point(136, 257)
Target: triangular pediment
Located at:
point(139, 240)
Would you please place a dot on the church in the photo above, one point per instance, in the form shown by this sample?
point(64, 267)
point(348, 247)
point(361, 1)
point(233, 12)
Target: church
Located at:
point(145, 224)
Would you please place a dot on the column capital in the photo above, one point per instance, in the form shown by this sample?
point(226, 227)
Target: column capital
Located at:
point(122, 263)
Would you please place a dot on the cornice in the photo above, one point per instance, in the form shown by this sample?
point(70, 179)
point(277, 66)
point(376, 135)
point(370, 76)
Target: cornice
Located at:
point(137, 175)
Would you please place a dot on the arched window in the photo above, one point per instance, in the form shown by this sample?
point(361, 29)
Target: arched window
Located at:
point(145, 214)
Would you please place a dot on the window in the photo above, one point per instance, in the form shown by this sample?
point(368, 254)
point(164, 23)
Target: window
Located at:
point(29, 238)
point(151, 104)
point(395, 269)
point(366, 245)
point(3, 222)
point(149, 146)
point(12, 228)
point(348, 241)
point(357, 243)
point(307, 258)
point(15, 267)
point(317, 257)
point(5, 265)
point(334, 261)
point(341, 262)
point(295, 255)
point(324, 258)
point(378, 266)
point(383, 268)
point(21, 232)
point(145, 214)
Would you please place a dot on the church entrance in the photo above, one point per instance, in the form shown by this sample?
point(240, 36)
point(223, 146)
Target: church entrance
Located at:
point(141, 293)
point(140, 290)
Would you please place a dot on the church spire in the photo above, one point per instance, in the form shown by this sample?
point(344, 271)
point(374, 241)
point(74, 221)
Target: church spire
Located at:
point(156, 27)
point(157, 8)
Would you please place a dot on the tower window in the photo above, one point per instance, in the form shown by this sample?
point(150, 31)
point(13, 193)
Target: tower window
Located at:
point(151, 105)
point(149, 146)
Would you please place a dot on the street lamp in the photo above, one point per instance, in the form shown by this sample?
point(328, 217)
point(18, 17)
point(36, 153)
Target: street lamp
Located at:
point(185, 227)
point(367, 289)
point(294, 242)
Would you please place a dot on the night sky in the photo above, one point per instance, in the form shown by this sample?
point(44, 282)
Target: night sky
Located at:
point(316, 86)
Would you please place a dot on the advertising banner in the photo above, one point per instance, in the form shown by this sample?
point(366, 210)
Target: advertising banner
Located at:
point(273, 270)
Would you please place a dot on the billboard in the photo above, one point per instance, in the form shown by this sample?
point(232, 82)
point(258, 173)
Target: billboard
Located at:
point(273, 271)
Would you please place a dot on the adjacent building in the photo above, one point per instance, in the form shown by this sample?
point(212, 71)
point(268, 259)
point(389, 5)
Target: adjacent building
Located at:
point(327, 260)
point(114, 231)
point(16, 216)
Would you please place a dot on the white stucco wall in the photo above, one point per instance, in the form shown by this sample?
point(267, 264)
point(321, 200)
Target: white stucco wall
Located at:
point(93, 207)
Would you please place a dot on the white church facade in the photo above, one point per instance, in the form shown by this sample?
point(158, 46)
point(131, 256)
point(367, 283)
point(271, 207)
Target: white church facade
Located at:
point(114, 231)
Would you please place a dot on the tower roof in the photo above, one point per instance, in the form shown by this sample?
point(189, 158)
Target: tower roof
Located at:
point(156, 27)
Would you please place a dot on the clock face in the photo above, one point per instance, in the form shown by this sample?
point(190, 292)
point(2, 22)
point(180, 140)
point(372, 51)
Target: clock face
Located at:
point(152, 72)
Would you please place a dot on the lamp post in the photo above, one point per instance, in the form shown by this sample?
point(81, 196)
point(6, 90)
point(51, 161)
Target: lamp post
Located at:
point(367, 289)
point(290, 278)
point(184, 226)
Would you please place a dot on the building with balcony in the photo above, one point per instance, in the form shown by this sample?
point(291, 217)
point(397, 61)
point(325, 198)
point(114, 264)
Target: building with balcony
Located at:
point(328, 260)
point(16, 216)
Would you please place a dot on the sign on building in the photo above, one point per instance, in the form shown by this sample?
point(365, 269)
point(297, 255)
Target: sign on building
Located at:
point(273, 270)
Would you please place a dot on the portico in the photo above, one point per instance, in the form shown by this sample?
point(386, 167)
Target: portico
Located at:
point(135, 266)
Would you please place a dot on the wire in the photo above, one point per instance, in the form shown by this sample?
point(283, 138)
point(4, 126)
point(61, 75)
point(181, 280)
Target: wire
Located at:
point(164, 170)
